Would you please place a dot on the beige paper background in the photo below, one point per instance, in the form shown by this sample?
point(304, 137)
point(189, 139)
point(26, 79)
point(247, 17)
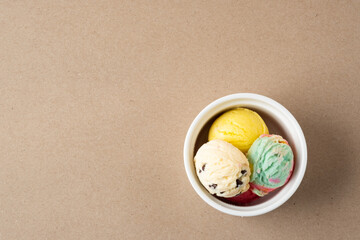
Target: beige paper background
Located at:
point(96, 98)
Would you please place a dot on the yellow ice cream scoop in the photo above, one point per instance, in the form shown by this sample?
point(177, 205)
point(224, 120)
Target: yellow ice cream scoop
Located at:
point(240, 127)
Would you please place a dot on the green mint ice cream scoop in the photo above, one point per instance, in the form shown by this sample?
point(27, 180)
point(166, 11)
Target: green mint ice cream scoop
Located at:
point(272, 161)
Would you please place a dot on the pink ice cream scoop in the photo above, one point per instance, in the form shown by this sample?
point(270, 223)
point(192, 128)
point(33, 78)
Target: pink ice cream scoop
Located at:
point(242, 199)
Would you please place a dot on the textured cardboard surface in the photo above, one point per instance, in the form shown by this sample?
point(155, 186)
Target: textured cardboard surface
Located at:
point(96, 98)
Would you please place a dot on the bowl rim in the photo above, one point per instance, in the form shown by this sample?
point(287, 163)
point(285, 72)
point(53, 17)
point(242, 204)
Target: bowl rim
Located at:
point(189, 147)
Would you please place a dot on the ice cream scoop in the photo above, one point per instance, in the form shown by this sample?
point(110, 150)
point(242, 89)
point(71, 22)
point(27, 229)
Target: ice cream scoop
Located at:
point(240, 127)
point(272, 163)
point(242, 199)
point(222, 168)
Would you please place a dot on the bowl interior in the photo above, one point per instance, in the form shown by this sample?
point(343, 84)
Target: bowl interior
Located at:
point(278, 120)
point(274, 128)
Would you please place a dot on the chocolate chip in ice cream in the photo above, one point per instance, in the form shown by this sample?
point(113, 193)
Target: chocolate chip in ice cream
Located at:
point(213, 185)
point(222, 192)
point(238, 182)
point(203, 167)
point(243, 171)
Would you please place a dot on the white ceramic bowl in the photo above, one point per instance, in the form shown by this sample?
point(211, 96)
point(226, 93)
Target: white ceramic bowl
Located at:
point(279, 120)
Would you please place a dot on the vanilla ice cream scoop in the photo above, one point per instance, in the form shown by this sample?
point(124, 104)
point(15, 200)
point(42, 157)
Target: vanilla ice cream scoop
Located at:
point(222, 168)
